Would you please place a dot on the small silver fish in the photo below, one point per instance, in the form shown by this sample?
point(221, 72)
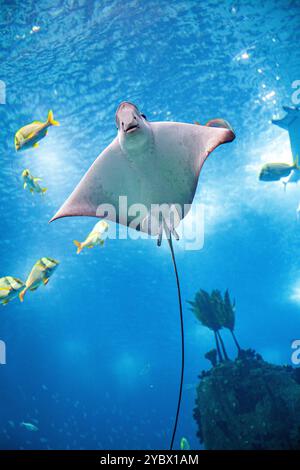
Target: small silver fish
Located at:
point(29, 426)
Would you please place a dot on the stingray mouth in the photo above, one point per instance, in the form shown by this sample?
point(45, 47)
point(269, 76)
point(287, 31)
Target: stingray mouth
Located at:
point(130, 129)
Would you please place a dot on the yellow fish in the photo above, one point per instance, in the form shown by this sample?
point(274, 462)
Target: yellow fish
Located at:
point(10, 287)
point(40, 274)
point(31, 183)
point(29, 135)
point(94, 238)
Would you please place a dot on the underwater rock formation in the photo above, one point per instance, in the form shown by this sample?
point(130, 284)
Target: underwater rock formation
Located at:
point(211, 356)
point(249, 404)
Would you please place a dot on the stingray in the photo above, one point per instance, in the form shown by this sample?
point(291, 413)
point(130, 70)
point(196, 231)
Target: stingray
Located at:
point(156, 166)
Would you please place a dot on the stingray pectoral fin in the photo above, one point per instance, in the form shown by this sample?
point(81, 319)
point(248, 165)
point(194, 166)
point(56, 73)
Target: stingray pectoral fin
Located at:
point(103, 183)
point(219, 132)
point(177, 155)
point(182, 149)
point(219, 123)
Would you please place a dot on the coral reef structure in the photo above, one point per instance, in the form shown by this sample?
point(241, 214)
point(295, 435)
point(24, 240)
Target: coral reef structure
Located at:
point(249, 404)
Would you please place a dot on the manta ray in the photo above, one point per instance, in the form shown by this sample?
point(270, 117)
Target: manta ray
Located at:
point(156, 166)
point(152, 164)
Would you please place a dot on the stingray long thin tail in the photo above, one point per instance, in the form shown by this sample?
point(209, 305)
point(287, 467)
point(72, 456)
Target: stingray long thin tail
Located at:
point(169, 238)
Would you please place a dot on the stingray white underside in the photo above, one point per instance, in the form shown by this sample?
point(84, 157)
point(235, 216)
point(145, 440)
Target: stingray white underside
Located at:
point(166, 173)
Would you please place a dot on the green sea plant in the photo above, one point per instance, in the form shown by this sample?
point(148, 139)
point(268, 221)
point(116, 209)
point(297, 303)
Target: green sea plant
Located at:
point(229, 318)
point(184, 444)
point(216, 312)
point(226, 312)
point(205, 311)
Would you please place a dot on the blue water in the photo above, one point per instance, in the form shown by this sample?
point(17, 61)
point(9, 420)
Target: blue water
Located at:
point(93, 358)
